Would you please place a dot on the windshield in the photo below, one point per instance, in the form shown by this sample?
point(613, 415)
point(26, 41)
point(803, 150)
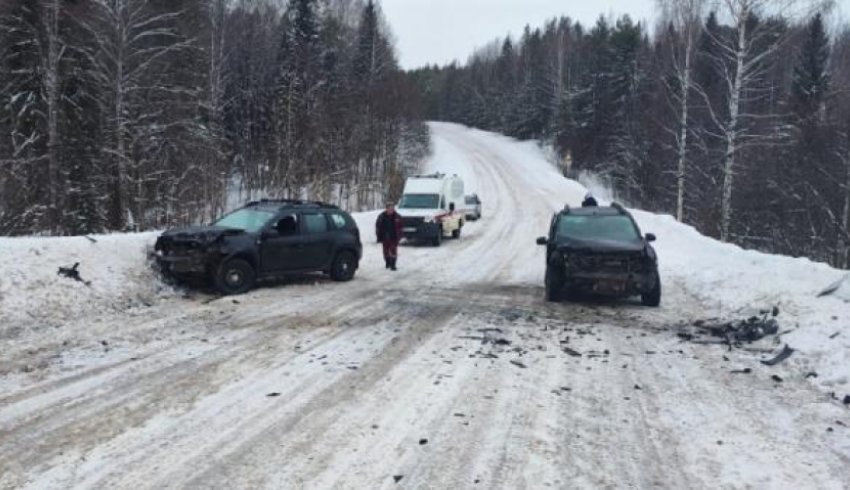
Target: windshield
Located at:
point(470, 200)
point(250, 220)
point(420, 201)
point(614, 228)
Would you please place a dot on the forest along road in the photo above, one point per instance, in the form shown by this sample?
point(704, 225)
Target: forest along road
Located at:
point(451, 373)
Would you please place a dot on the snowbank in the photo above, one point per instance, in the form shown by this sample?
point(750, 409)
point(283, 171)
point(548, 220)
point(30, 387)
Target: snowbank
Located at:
point(33, 295)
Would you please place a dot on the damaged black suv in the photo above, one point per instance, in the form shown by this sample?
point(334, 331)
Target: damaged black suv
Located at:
point(600, 250)
point(265, 239)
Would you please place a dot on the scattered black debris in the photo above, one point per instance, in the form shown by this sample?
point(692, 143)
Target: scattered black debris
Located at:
point(236, 302)
point(726, 358)
point(650, 352)
point(637, 387)
point(73, 273)
point(833, 287)
point(566, 388)
point(836, 334)
point(518, 363)
point(842, 424)
point(375, 426)
point(829, 429)
point(811, 374)
point(104, 343)
point(571, 352)
point(89, 238)
point(777, 378)
point(461, 415)
point(732, 333)
point(719, 443)
point(846, 400)
point(398, 478)
point(272, 395)
point(502, 342)
point(742, 371)
point(784, 354)
point(422, 442)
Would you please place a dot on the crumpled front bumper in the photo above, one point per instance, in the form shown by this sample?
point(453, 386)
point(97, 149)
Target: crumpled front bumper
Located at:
point(610, 283)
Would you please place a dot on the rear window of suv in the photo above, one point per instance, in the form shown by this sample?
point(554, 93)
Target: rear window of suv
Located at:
point(315, 223)
point(617, 228)
point(338, 221)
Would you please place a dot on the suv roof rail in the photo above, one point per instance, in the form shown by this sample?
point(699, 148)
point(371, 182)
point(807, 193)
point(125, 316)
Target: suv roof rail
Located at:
point(292, 202)
point(619, 207)
point(435, 175)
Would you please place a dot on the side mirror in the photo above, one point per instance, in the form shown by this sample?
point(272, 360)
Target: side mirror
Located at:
point(650, 237)
point(543, 241)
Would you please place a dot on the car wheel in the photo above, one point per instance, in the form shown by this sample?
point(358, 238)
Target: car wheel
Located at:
point(343, 267)
point(456, 233)
point(554, 285)
point(653, 296)
point(438, 240)
point(235, 276)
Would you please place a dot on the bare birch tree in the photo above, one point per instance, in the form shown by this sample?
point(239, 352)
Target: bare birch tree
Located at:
point(741, 61)
point(132, 38)
point(686, 18)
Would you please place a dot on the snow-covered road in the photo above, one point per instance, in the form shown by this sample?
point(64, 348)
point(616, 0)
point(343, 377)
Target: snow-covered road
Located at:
point(450, 373)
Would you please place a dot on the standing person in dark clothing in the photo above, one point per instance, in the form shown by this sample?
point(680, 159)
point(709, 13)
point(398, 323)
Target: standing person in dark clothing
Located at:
point(589, 201)
point(388, 231)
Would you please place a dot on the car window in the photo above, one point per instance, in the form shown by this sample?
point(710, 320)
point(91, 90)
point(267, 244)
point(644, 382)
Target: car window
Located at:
point(315, 223)
point(338, 221)
point(419, 201)
point(250, 220)
point(616, 228)
point(470, 200)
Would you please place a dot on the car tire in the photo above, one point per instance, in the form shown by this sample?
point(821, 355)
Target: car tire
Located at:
point(344, 266)
point(554, 285)
point(652, 297)
point(456, 233)
point(438, 240)
point(236, 276)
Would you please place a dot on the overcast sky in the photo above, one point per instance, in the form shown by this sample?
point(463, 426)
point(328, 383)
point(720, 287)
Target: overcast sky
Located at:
point(439, 31)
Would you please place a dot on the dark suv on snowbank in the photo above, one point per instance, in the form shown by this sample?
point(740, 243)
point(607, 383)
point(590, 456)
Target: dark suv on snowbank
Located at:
point(600, 250)
point(264, 239)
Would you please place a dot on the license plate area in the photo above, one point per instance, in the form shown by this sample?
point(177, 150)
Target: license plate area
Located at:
point(609, 286)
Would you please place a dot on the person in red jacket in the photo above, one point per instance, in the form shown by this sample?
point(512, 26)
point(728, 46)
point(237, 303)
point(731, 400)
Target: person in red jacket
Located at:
point(388, 231)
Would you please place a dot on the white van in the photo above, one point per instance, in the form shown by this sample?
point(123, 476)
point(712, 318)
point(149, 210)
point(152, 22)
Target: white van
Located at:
point(432, 207)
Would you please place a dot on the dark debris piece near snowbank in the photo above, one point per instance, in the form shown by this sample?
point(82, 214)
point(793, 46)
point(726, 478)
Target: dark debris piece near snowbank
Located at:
point(731, 332)
point(73, 273)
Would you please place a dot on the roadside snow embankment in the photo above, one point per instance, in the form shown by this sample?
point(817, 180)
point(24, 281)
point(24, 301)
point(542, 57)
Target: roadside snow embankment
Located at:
point(733, 282)
point(33, 295)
